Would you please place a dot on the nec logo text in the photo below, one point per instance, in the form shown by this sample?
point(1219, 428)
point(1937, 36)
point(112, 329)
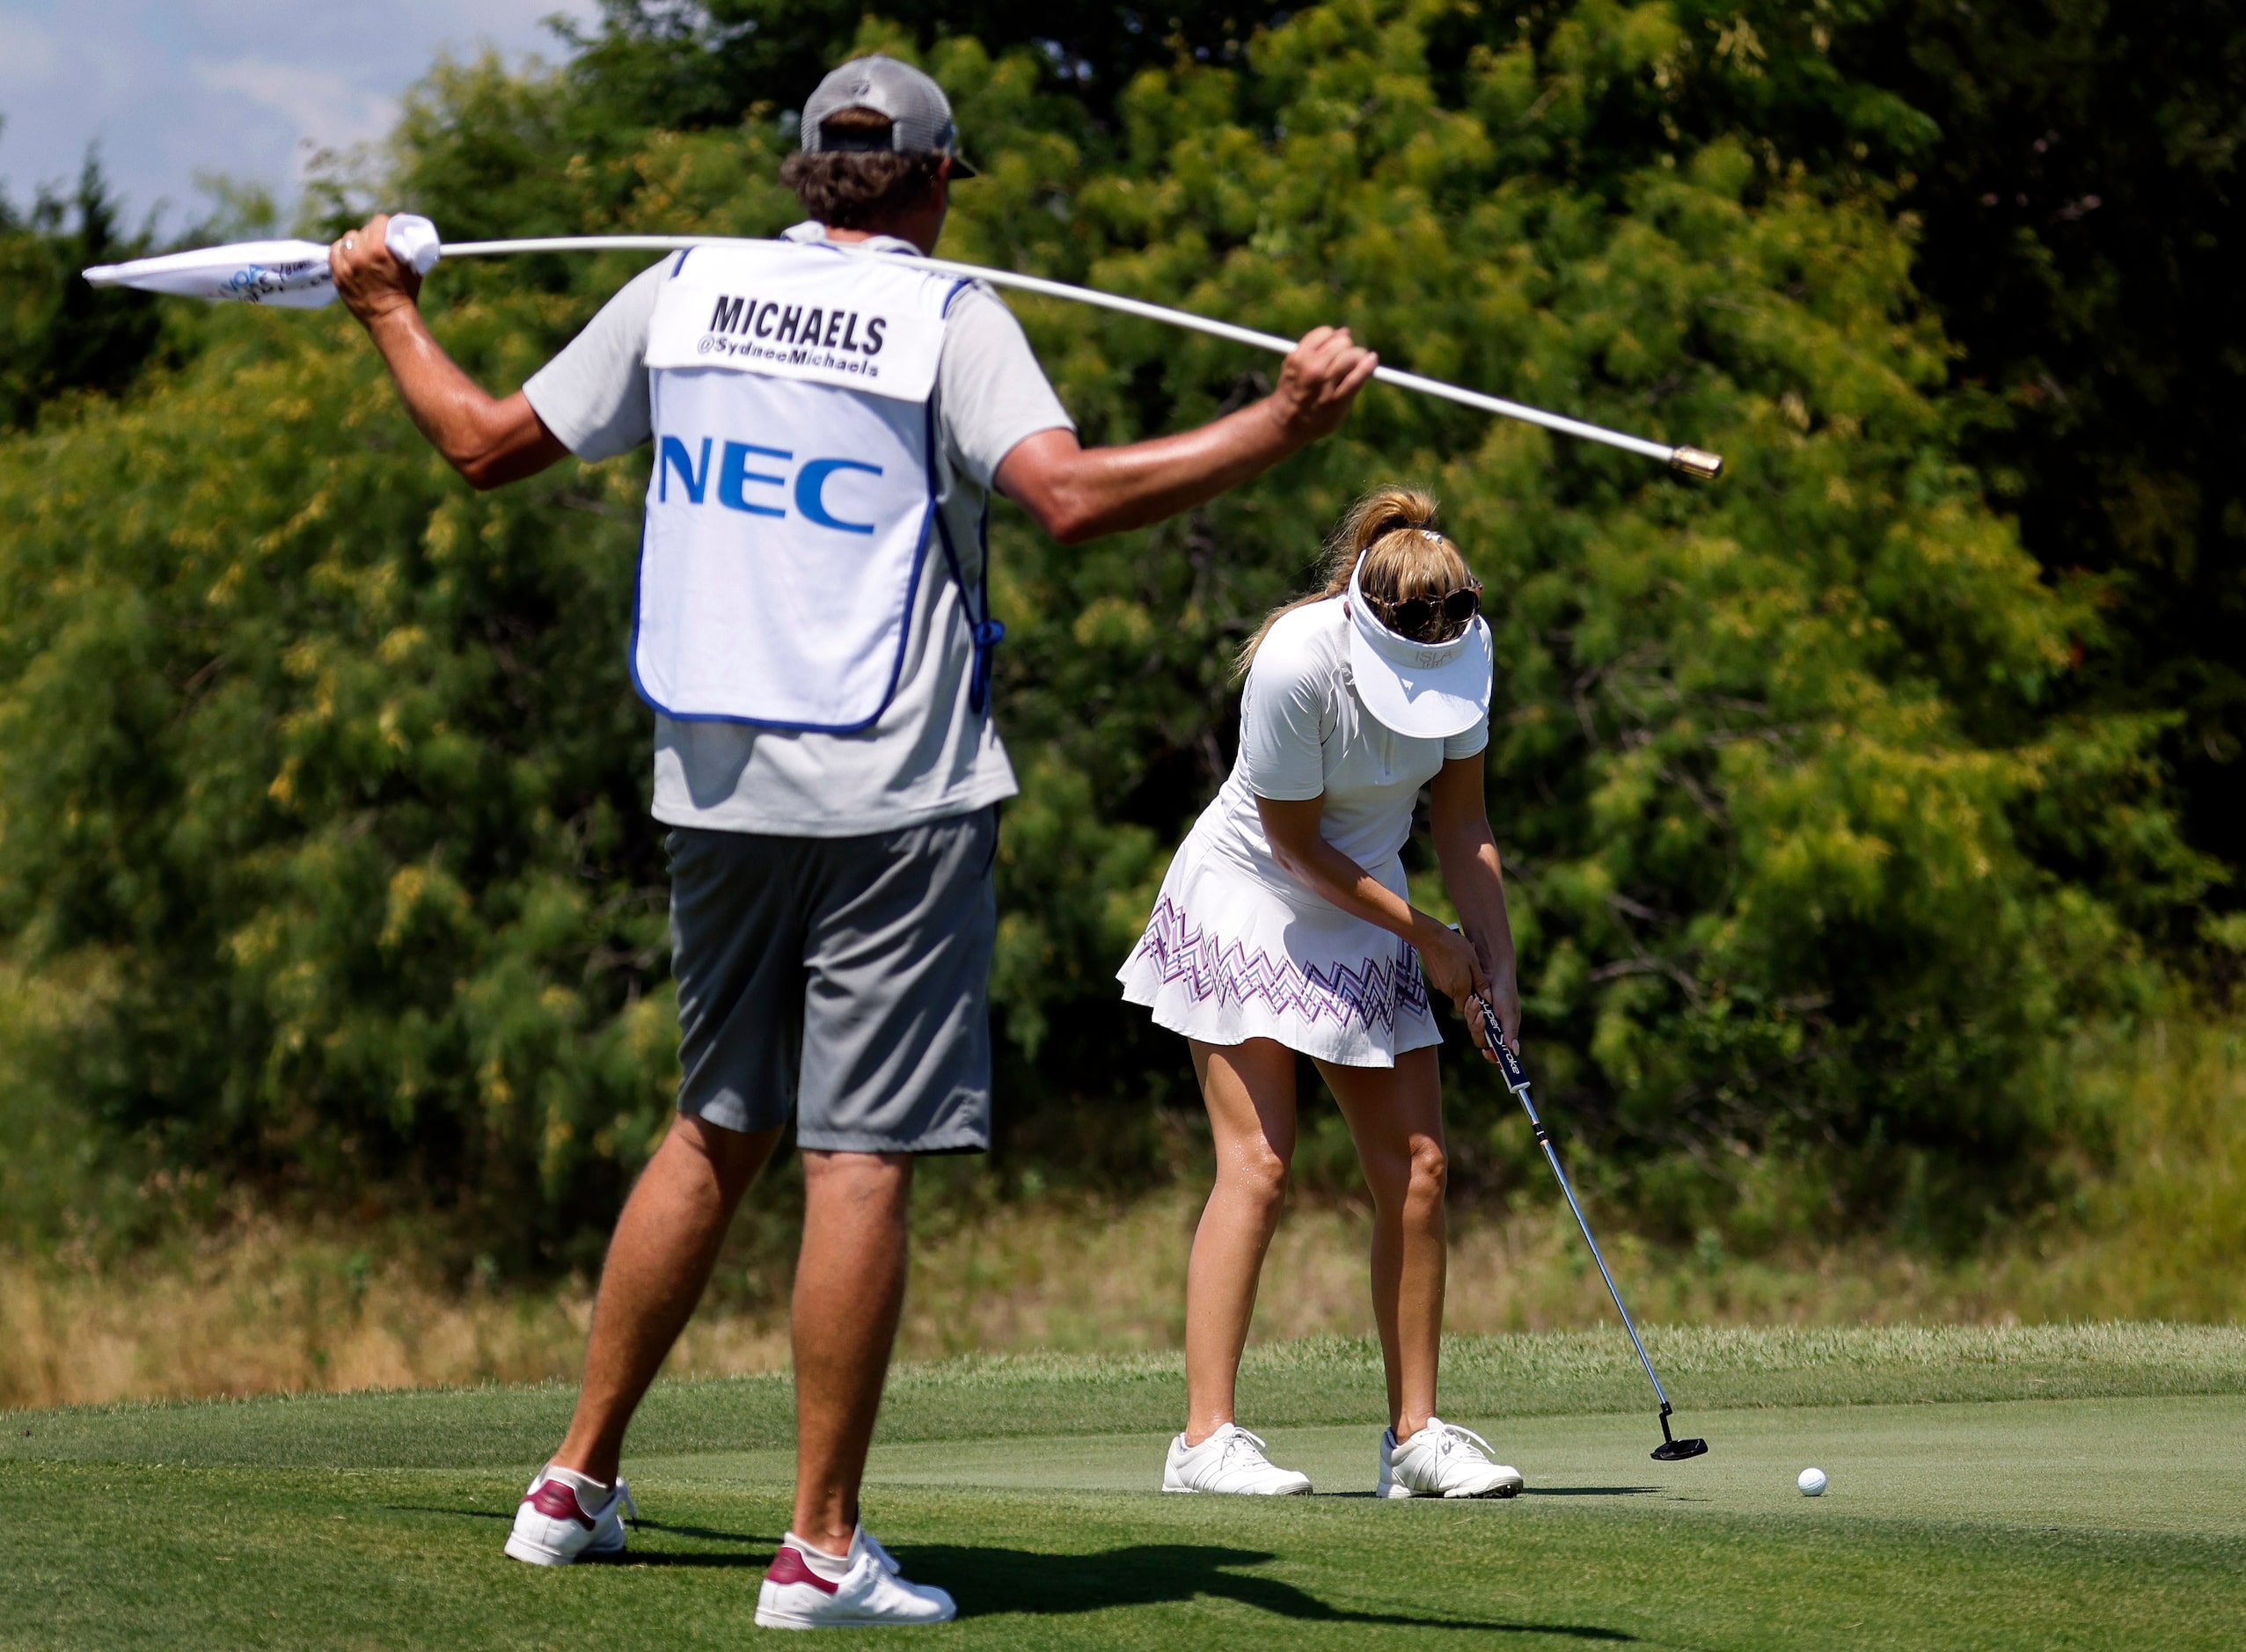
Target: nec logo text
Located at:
point(735, 480)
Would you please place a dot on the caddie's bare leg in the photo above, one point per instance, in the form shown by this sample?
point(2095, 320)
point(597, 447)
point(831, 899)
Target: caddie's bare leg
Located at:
point(666, 1243)
point(849, 1292)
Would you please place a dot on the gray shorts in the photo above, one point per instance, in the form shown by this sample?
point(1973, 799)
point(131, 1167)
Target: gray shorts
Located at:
point(845, 980)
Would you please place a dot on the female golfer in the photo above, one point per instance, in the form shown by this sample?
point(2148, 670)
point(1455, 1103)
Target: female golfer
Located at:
point(1285, 926)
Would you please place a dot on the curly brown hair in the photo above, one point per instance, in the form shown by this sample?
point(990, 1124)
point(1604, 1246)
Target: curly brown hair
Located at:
point(856, 188)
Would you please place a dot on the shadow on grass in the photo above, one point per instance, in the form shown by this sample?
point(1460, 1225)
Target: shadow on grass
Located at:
point(705, 1534)
point(1529, 1491)
point(1592, 1491)
point(988, 1582)
point(755, 1559)
point(506, 1515)
point(708, 1535)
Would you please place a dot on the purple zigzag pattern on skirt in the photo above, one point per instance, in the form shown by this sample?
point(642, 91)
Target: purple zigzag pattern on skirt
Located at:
point(1211, 967)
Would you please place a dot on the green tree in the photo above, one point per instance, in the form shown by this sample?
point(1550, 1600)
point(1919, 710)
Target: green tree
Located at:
point(318, 767)
point(326, 774)
point(2080, 210)
point(57, 334)
point(683, 64)
point(1777, 767)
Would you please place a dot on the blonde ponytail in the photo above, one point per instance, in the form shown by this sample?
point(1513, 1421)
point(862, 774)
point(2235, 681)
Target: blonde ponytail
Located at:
point(1408, 559)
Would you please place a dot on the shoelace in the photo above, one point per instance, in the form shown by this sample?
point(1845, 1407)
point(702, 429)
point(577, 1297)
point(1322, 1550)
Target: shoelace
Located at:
point(1233, 1442)
point(630, 1509)
point(1455, 1437)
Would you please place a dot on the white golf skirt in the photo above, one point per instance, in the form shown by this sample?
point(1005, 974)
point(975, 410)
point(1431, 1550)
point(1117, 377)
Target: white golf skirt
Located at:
point(1228, 956)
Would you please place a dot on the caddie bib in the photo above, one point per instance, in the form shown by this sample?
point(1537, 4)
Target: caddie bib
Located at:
point(794, 487)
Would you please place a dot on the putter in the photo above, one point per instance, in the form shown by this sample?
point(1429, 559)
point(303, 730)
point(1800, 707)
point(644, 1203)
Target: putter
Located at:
point(1672, 1449)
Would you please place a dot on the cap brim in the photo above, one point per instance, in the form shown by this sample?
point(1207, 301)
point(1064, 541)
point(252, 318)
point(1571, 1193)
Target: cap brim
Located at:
point(960, 169)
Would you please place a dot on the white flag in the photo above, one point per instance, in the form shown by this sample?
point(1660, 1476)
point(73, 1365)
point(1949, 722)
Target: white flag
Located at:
point(292, 273)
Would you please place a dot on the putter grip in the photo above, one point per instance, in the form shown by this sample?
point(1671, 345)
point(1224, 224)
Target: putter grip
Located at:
point(1508, 1062)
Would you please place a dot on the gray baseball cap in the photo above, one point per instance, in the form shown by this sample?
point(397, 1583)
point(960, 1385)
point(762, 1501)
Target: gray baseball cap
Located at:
point(919, 114)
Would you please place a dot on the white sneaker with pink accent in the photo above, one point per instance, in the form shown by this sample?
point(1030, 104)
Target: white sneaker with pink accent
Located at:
point(552, 1527)
point(813, 1591)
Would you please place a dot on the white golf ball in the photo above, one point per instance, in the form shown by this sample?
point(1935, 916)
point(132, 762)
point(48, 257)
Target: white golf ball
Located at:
point(1811, 1481)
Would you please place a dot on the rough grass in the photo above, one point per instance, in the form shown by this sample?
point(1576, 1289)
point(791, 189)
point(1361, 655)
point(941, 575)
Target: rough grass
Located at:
point(256, 1306)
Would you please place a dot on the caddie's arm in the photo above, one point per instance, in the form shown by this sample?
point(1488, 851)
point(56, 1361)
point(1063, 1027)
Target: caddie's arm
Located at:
point(1078, 494)
point(489, 440)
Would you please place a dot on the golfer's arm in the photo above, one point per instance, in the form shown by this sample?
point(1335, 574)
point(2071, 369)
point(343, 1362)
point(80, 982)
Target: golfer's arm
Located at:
point(1078, 494)
point(1467, 854)
point(1303, 853)
point(488, 441)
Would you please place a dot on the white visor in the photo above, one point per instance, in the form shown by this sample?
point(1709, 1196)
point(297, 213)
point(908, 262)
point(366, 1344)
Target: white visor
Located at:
point(1429, 691)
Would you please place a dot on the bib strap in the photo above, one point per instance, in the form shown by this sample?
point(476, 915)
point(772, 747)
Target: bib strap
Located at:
point(983, 631)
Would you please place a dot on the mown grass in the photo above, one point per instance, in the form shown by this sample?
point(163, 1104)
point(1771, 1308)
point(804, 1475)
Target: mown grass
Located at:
point(1301, 1383)
point(378, 1559)
point(1984, 1495)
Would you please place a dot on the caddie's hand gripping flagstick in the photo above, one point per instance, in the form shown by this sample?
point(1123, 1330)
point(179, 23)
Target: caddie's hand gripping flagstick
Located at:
point(1672, 1449)
point(292, 275)
point(295, 273)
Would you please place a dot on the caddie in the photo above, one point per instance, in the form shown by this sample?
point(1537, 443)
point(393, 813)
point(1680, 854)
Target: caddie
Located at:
point(813, 631)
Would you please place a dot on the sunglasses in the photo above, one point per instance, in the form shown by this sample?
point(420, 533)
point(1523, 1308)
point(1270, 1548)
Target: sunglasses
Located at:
point(1431, 619)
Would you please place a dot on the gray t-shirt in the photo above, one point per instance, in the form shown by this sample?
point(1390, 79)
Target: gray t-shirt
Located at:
point(929, 755)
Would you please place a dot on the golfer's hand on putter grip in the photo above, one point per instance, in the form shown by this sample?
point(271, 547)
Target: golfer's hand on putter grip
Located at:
point(1454, 968)
point(1502, 995)
point(1504, 1003)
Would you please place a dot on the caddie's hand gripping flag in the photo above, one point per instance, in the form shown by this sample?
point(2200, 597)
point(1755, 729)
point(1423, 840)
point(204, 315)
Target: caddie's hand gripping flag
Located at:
point(292, 273)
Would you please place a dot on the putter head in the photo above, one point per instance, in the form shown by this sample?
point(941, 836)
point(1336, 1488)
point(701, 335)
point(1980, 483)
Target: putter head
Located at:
point(1677, 1451)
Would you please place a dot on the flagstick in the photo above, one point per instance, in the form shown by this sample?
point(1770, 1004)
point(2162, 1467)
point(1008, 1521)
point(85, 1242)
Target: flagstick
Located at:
point(1692, 461)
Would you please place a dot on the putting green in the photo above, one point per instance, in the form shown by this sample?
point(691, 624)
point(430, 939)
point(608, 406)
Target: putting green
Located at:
point(1964, 1512)
point(2090, 1465)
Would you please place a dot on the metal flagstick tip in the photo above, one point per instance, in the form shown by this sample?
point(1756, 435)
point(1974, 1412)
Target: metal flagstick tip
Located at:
point(1672, 1449)
point(1697, 462)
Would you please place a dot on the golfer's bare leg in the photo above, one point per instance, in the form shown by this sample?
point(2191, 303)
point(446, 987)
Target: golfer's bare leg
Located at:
point(849, 1290)
point(1250, 1092)
point(666, 1243)
point(1395, 1117)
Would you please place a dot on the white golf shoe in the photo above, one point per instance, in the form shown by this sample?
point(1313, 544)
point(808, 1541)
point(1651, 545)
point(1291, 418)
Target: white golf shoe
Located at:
point(1442, 1460)
point(554, 1528)
point(882, 1558)
point(1230, 1460)
point(870, 1592)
